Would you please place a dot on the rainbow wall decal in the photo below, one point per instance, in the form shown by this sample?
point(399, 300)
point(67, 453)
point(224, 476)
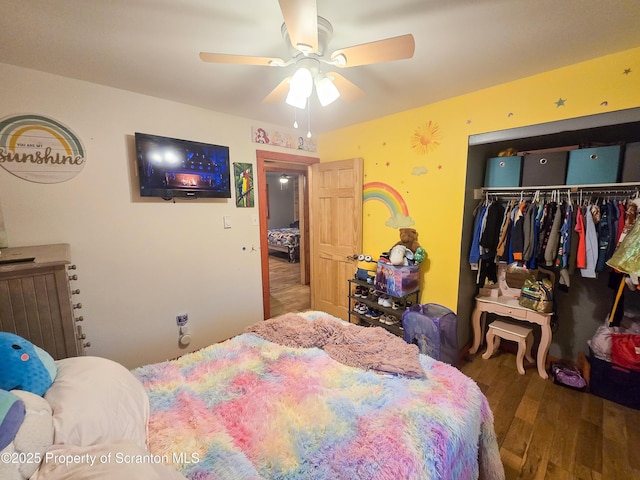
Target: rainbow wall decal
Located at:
point(393, 201)
point(40, 149)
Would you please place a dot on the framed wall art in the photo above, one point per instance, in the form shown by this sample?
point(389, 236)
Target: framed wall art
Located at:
point(243, 178)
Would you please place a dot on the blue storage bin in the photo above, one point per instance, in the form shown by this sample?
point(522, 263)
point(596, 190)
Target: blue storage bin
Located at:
point(593, 165)
point(503, 172)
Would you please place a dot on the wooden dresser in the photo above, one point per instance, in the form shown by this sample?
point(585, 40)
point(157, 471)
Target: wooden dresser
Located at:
point(36, 298)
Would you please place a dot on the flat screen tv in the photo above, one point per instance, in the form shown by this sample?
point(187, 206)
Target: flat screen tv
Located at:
point(170, 167)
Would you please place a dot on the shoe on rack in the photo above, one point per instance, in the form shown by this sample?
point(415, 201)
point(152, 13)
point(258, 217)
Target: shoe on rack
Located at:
point(375, 314)
point(364, 292)
point(396, 305)
point(385, 301)
point(357, 292)
point(361, 308)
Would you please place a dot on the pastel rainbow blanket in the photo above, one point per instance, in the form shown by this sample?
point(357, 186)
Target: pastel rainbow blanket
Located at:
point(249, 409)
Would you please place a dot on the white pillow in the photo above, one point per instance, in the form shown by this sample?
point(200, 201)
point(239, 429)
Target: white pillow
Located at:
point(95, 400)
point(120, 460)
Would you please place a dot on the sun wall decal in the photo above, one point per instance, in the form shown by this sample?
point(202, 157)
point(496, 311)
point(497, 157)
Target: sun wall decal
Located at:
point(426, 138)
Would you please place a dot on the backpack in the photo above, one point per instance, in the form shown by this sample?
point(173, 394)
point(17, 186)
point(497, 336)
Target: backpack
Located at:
point(434, 329)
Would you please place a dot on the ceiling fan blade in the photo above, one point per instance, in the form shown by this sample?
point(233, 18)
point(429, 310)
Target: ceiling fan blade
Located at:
point(301, 19)
point(239, 59)
point(349, 92)
point(395, 48)
point(279, 93)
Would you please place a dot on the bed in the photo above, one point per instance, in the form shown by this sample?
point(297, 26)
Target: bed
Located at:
point(285, 240)
point(302, 396)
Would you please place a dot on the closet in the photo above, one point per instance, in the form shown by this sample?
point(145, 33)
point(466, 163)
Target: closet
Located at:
point(588, 301)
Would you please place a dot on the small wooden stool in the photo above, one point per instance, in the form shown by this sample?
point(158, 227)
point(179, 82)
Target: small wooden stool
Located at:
point(510, 331)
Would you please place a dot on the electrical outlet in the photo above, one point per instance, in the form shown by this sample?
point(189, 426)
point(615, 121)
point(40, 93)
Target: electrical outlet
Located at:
point(182, 320)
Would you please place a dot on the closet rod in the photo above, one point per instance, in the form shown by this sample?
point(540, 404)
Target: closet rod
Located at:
point(599, 189)
point(586, 193)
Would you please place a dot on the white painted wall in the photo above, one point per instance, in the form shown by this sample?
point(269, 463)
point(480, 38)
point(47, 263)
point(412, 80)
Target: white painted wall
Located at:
point(140, 262)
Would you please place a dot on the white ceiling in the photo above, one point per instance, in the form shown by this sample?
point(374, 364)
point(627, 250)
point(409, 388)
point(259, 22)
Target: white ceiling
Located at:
point(152, 47)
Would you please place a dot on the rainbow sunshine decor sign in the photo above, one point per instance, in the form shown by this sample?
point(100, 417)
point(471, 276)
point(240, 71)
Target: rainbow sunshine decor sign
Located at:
point(40, 149)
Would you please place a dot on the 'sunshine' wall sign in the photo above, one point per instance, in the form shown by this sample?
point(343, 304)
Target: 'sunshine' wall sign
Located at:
point(40, 149)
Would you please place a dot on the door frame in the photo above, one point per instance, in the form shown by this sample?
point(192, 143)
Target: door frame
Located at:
point(268, 160)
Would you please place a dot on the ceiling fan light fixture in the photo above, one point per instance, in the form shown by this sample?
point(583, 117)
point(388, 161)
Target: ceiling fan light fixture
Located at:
point(325, 89)
point(300, 88)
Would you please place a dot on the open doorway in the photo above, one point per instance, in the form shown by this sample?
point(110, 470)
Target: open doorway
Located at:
point(289, 289)
point(285, 271)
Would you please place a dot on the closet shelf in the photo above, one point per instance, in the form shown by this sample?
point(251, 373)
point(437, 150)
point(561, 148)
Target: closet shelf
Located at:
point(589, 189)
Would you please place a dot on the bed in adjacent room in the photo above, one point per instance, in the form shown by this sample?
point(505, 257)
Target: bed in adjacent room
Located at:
point(302, 396)
point(285, 240)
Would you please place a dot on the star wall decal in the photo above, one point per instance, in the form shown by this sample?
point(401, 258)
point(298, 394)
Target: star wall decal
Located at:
point(560, 102)
point(627, 71)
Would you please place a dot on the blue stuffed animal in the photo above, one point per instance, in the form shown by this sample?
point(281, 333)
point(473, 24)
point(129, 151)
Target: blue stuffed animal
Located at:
point(24, 365)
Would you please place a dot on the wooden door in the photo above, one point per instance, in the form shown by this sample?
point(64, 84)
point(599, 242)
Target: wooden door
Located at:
point(336, 232)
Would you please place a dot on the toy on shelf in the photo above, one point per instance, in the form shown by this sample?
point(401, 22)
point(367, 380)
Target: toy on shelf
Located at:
point(407, 251)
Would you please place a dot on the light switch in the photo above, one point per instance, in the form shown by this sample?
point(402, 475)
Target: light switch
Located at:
point(255, 220)
point(226, 220)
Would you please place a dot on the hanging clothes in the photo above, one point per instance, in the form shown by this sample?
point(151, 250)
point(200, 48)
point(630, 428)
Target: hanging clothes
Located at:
point(622, 215)
point(474, 253)
point(564, 244)
point(504, 230)
point(551, 249)
point(591, 242)
point(517, 232)
point(604, 229)
point(528, 232)
point(489, 243)
point(581, 255)
point(545, 231)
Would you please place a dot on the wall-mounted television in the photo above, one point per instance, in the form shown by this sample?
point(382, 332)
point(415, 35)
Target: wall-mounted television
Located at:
point(170, 167)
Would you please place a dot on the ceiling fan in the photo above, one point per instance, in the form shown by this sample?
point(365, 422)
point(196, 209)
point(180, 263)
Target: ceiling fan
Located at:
point(308, 34)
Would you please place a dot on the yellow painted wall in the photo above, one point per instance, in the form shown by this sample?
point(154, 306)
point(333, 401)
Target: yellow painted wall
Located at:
point(422, 153)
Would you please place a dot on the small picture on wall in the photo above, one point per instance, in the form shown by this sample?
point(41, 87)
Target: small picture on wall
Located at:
point(243, 175)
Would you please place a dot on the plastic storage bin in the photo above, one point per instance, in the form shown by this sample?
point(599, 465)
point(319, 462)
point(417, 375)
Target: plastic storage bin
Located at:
point(397, 280)
point(615, 383)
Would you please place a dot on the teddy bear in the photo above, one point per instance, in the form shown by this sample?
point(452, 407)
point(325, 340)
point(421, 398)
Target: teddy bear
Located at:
point(409, 239)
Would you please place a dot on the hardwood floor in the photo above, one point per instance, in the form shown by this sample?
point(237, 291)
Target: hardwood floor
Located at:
point(546, 431)
point(287, 293)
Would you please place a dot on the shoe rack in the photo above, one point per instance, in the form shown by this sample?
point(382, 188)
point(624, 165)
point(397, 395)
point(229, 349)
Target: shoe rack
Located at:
point(374, 313)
